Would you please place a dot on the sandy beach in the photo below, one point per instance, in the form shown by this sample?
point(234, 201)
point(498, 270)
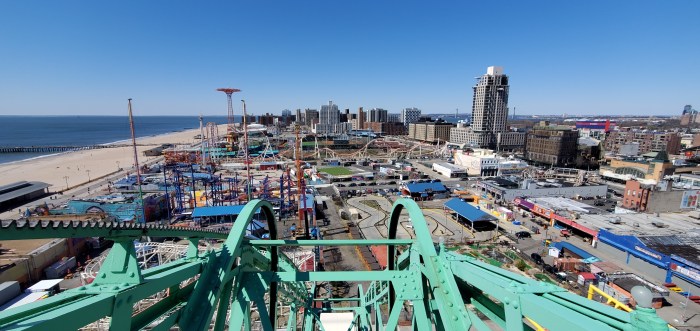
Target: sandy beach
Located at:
point(79, 166)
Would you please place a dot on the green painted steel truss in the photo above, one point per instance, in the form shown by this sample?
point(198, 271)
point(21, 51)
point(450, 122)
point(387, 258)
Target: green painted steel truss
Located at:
point(245, 282)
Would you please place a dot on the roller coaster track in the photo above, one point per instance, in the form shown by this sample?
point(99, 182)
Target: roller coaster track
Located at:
point(219, 289)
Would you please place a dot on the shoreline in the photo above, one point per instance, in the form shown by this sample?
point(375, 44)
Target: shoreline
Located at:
point(117, 142)
point(75, 168)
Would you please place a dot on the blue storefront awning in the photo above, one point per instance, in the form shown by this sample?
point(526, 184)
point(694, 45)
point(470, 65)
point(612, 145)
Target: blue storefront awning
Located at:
point(468, 211)
point(426, 187)
point(217, 211)
point(575, 250)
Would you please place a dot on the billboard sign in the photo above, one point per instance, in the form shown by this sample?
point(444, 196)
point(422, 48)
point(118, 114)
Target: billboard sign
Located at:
point(690, 199)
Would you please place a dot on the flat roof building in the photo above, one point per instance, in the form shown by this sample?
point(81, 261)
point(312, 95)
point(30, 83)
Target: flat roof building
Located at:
point(19, 193)
point(449, 170)
point(424, 191)
point(552, 144)
point(507, 188)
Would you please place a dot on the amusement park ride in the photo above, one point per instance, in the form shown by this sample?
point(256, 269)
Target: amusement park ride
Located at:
point(252, 284)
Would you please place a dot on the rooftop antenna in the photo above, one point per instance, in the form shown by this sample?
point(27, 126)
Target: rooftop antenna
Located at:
point(136, 163)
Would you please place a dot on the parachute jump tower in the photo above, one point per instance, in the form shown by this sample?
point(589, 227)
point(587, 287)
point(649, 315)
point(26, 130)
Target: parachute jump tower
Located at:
point(229, 92)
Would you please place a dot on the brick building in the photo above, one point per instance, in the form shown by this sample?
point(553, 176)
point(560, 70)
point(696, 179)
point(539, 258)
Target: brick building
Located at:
point(430, 131)
point(649, 141)
point(552, 144)
point(386, 128)
point(645, 196)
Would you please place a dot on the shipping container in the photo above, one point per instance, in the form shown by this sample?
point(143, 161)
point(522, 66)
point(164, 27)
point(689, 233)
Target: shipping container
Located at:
point(8, 291)
point(60, 268)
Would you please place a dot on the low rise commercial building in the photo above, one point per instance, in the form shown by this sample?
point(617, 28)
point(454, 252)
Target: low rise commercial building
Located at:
point(424, 191)
point(15, 194)
point(449, 170)
point(664, 247)
point(653, 166)
point(478, 162)
point(507, 188)
point(650, 197)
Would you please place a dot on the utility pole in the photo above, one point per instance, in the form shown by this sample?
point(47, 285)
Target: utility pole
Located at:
point(245, 144)
point(136, 163)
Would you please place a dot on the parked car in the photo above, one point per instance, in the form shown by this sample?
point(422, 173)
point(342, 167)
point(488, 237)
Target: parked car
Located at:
point(536, 257)
point(565, 233)
point(352, 185)
point(523, 234)
point(560, 275)
point(550, 269)
point(599, 203)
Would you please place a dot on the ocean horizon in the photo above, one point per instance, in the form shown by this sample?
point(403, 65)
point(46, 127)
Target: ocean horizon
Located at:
point(81, 130)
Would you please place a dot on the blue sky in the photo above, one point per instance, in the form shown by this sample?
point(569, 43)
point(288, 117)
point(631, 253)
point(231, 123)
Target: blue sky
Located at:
point(584, 57)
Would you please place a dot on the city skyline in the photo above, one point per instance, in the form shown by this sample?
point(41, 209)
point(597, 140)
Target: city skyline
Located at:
point(86, 59)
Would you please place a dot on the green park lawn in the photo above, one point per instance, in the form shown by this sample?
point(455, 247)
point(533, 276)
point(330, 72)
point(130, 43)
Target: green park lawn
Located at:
point(336, 171)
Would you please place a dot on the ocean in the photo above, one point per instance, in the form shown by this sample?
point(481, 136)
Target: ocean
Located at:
point(86, 130)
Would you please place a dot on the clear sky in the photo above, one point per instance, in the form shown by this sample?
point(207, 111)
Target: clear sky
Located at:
point(574, 57)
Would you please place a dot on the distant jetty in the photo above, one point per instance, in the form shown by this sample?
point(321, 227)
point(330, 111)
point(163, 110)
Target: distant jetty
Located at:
point(53, 149)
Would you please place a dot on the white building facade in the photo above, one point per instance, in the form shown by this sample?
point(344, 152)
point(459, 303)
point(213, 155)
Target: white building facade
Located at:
point(410, 115)
point(328, 117)
point(449, 170)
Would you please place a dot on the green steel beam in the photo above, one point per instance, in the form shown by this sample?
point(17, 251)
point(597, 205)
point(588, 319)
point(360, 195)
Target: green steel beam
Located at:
point(332, 242)
point(452, 312)
point(175, 300)
point(200, 308)
point(436, 281)
point(71, 316)
point(20, 230)
point(332, 276)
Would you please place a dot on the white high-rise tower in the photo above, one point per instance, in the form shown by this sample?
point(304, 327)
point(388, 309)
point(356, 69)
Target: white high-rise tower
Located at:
point(490, 103)
point(489, 114)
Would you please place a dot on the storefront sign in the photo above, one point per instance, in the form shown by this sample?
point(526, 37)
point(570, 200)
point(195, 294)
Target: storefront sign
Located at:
point(648, 252)
point(690, 273)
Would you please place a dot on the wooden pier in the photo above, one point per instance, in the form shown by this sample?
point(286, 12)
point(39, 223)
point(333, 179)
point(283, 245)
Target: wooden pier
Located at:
point(56, 149)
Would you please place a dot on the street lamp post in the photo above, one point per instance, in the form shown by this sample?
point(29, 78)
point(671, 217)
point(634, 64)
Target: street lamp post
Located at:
point(66, 178)
point(88, 173)
point(118, 167)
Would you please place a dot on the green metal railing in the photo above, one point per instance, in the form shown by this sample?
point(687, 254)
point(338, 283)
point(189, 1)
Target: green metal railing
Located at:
point(219, 289)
